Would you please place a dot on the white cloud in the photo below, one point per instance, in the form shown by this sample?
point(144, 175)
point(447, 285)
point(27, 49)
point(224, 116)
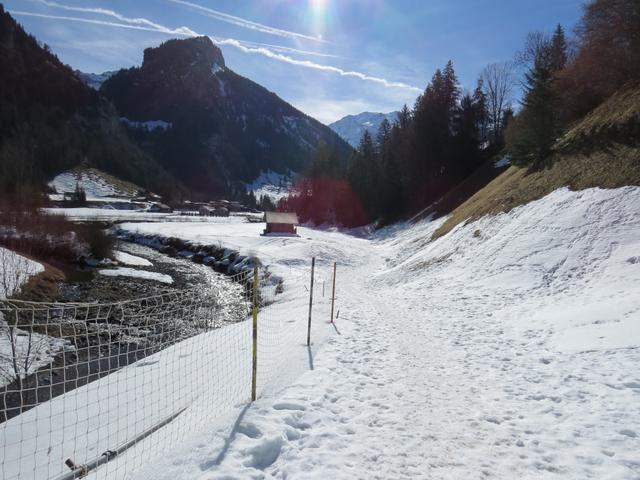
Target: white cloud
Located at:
point(182, 31)
point(147, 25)
point(309, 64)
point(241, 22)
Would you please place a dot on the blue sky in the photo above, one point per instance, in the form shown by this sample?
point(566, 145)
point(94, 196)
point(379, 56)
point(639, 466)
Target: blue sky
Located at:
point(329, 58)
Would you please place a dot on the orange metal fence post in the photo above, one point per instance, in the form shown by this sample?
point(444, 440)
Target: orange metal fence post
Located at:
point(333, 292)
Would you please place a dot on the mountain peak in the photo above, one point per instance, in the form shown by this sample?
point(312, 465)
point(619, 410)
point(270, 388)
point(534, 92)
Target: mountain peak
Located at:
point(186, 54)
point(176, 76)
point(223, 127)
point(352, 127)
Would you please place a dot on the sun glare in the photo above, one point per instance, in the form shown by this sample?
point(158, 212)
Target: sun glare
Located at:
point(318, 6)
point(318, 12)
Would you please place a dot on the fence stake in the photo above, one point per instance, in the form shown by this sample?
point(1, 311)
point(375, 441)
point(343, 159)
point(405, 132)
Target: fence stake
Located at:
point(254, 363)
point(333, 292)
point(313, 266)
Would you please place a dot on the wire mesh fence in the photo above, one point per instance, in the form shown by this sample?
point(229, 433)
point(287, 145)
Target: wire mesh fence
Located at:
point(119, 383)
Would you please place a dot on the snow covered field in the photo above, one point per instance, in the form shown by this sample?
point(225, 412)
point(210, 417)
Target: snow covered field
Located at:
point(508, 348)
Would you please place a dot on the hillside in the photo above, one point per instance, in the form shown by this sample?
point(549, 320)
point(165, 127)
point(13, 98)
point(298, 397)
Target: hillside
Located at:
point(352, 127)
point(602, 150)
point(223, 127)
point(95, 183)
point(51, 121)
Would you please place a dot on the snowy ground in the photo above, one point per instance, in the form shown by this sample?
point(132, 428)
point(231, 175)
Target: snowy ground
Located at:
point(133, 260)
point(133, 273)
point(102, 214)
point(272, 184)
point(508, 348)
point(15, 270)
point(95, 184)
point(30, 352)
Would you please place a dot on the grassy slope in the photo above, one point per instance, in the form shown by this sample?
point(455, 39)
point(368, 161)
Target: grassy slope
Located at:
point(123, 186)
point(461, 192)
point(602, 150)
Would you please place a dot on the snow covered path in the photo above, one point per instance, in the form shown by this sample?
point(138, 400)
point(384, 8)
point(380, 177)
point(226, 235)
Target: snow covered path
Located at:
point(509, 348)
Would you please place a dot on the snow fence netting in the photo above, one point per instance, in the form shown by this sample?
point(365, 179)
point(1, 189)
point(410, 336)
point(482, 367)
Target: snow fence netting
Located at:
point(104, 388)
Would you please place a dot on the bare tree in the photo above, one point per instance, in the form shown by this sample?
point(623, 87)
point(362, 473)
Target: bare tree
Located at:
point(25, 349)
point(535, 45)
point(497, 82)
point(15, 270)
point(20, 346)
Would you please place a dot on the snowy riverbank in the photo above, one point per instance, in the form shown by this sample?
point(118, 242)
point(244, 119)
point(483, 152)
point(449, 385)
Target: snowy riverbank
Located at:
point(507, 348)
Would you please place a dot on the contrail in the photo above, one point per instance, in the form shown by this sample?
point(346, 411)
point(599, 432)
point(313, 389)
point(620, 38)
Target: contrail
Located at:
point(162, 28)
point(308, 64)
point(241, 22)
point(103, 11)
point(146, 25)
point(181, 31)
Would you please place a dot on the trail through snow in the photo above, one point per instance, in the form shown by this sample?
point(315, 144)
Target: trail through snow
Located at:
point(506, 349)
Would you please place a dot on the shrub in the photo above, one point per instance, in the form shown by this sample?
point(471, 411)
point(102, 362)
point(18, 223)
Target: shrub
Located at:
point(99, 241)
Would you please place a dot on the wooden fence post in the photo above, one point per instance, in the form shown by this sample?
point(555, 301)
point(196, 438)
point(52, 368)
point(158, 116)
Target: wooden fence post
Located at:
point(313, 266)
point(254, 363)
point(333, 291)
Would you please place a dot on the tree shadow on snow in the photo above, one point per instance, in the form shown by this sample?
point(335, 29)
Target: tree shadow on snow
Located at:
point(310, 357)
point(228, 441)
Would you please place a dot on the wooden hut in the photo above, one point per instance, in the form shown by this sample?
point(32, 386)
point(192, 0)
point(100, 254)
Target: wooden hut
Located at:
point(280, 222)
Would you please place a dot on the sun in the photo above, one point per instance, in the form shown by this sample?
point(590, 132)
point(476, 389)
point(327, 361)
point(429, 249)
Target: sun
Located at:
point(318, 13)
point(318, 6)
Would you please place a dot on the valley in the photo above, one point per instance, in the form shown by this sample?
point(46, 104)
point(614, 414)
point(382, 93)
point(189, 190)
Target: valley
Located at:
point(221, 259)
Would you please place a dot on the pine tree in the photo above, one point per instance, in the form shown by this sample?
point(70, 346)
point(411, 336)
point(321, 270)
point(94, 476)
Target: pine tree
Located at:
point(558, 50)
point(482, 114)
point(385, 167)
point(362, 175)
point(537, 126)
point(79, 195)
point(252, 202)
point(466, 139)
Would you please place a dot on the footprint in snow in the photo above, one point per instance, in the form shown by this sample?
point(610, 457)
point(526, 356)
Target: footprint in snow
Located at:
point(250, 430)
point(264, 454)
point(288, 406)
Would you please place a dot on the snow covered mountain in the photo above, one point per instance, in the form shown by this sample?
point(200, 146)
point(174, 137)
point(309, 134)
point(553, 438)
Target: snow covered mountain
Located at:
point(274, 185)
point(352, 127)
point(95, 80)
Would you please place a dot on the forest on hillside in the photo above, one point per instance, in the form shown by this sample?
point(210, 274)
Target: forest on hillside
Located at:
point(449, 133)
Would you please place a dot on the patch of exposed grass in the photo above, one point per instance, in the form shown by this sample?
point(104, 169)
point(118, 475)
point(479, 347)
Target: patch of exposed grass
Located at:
point(461, 192)
point(42, 287)
point(602, 150)
point(123, 186)
point(614, 167)
point(616, 119)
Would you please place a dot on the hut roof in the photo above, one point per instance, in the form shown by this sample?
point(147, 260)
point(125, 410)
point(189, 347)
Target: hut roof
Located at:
point(281, 217)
